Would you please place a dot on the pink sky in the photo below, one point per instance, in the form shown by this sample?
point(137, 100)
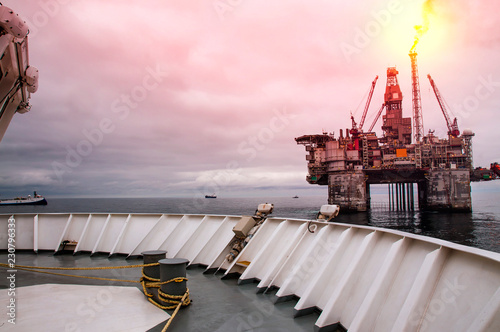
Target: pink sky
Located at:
point(163, 98)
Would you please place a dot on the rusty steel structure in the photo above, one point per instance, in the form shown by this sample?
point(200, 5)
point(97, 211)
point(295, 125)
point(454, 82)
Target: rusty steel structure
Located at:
point(349, 163)
point(416, 101)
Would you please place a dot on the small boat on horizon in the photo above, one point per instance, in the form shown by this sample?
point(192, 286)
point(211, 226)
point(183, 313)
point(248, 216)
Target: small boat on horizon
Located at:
point(35, 200)
point(211, 196)
point(295, 196)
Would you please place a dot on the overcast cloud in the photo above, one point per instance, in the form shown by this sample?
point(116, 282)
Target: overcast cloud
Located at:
point(181, 98)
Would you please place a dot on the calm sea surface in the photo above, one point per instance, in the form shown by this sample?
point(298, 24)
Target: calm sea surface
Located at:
point(480, 229)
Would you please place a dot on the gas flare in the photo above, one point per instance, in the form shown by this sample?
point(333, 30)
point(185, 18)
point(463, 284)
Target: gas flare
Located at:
point(427, 10)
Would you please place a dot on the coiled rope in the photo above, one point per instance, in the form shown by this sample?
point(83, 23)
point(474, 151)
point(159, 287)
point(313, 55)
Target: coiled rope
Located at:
point(176, 301)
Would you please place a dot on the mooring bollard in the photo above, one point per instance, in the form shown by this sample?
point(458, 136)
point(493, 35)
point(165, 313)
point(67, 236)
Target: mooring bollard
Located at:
point(153, 256)
point(171, 268)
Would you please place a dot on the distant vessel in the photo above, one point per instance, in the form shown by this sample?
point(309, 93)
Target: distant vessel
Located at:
point(35, 200)
point(211, 196)
point(295, 196)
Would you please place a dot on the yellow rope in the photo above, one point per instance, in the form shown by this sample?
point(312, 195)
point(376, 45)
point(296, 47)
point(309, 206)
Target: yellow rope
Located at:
point(184, 298)
point(146, 282)
point(78, 268)
point(176, 300)
point(76, 276)
point(142, 281)
point(148, 277)
point(158, 284)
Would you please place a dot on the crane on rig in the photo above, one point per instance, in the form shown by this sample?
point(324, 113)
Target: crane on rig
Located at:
point(381, 109)
point(355, 129)
point(452, 125)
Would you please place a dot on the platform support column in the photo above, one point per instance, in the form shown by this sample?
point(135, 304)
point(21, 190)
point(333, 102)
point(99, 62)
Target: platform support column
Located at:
point(448, 190)
point(412, 198)
point(390, 196)
point(403, 190)
point(348, 190)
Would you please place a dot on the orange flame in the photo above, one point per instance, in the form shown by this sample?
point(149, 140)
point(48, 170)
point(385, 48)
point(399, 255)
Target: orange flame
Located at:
point(427, 10)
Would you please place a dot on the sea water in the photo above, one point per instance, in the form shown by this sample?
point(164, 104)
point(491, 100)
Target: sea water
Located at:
point(480, 228)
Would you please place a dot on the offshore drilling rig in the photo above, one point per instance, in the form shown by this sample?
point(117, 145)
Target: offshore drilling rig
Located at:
point(350, 163)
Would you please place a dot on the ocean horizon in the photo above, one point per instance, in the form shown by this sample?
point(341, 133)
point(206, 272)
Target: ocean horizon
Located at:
point(479, 228)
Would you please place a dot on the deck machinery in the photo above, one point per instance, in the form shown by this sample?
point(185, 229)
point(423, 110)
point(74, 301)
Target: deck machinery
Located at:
point(353, 161)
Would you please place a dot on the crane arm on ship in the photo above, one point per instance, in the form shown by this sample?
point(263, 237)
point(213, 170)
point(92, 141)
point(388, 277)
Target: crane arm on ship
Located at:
point(17, 87)
point(452, 126)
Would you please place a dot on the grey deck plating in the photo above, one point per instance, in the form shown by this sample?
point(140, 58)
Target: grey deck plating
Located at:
point(218, 305)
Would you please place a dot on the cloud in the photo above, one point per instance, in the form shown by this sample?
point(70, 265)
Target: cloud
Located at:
point(221, 82)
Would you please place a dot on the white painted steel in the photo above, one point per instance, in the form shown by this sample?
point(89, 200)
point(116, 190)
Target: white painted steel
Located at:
point(322, 285)
point(157, 234)
point(260, 239)
point(135, 229)
point(282, 256)
point(379, 289)
point(64, 233)
point(110, 233)
point(269, 254)
point(304, 263)
point(356, 280)
point(50, 226)
point(218, 241)
point(35, 233)
point(421, 290)
point(4, 228)
point(120, 236)
point(92, 234)
point(25, 230)
point(82, 235)
point(365, 278)
point(181, 234)
point(487, 320)
point(201, 234)
point(102, 229)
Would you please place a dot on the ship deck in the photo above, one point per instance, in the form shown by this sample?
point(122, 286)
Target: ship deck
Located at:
point(218, 304)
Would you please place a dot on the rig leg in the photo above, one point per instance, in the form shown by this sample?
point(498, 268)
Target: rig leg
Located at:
point(448, 190)
point(348, 190)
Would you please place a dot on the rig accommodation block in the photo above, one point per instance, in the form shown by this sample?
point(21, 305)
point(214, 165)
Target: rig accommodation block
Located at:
point(349, 163)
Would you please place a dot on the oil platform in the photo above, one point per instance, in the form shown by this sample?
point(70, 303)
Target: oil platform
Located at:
point(351, 162)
